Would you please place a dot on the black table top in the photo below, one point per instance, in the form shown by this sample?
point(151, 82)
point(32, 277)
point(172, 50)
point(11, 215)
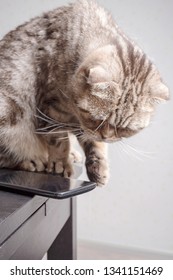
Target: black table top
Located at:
point(15, 208)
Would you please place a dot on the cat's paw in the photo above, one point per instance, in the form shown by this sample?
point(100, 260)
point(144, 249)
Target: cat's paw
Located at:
point(32, 165)
point(98, 170)
point(75, 156)
point(61, 167)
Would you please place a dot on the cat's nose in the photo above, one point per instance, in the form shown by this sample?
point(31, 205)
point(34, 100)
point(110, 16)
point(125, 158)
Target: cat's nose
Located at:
point(107, 132)
point(109, 135)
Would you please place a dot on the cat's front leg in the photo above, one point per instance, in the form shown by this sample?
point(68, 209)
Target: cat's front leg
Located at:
point(96, 161)
point(59, 161)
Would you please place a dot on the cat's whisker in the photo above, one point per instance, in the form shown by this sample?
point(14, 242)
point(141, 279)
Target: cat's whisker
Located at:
point(57, 132)
point(140, 152)
point(62, 131)
point(133, 152)
point(124, 150)
point(43, 119)
point(63, 93)
point(143, 153)
point(130, 153)
point(72, 125)
point(119, 150)
point(100, 125)
point(54, 131)
point(45, 115)
point(63, 138)
point(46, 127)
point(49, 133)
point(52, 121)
point(84, 138)
point(83, 76)
point(41, 132)
point(58, 126)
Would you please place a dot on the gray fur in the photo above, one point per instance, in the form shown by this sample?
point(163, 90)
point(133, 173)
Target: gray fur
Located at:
point(72, 70)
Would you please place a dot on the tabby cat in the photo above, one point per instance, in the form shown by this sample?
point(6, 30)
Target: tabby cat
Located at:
point(72, 70)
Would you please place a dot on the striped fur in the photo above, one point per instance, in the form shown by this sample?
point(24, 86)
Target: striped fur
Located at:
point(72, 70)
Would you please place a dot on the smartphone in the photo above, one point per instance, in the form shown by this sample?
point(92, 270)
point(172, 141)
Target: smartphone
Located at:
point(44, 184)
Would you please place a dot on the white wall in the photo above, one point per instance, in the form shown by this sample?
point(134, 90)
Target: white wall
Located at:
point(136, 208)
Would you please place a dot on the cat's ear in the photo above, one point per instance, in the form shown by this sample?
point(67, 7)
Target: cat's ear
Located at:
point(97, 75)
point(159, 93)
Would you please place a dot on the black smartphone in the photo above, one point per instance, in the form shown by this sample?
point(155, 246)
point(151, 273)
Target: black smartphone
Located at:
point(43, 184)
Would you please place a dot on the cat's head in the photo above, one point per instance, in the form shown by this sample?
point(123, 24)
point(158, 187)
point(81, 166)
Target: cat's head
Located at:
point(115, 98)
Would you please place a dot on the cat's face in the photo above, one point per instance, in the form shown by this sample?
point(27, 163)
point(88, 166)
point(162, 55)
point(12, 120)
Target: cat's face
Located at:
point(111, 106)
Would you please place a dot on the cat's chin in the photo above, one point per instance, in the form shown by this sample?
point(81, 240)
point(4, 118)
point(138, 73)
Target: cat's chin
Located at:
point(109, 141)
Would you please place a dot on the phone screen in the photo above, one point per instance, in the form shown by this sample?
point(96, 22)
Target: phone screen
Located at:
point(43, 184)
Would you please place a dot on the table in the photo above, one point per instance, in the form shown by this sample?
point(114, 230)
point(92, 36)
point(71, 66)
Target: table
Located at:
point(31, 226)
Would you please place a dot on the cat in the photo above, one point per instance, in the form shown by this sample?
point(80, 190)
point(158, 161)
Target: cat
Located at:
point(72, 71)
